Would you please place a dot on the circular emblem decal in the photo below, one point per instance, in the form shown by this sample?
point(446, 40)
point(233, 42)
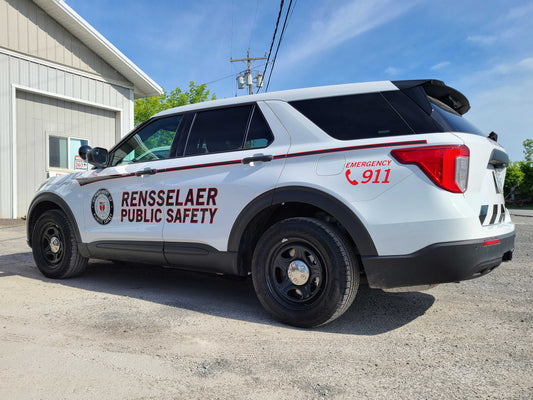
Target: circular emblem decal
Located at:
point(102, 207)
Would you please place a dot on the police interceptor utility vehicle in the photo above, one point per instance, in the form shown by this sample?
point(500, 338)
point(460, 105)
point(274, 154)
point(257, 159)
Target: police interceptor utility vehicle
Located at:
point(307, 190)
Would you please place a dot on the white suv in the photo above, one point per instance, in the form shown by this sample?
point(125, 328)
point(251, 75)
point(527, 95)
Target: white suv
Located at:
point(306, 190)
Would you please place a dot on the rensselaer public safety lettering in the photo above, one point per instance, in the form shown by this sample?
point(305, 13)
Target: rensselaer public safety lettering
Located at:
point(196, 206)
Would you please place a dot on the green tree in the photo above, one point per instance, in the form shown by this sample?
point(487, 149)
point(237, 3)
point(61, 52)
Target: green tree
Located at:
point(519, 175)
point(513, 177)
point(528, 150)
point(145, 108)
point(526, 166)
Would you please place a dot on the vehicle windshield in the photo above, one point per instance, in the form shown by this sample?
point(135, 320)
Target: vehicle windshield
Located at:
point(451, 120)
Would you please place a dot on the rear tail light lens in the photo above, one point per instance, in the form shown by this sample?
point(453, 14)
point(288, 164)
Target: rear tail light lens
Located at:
point(446, 166)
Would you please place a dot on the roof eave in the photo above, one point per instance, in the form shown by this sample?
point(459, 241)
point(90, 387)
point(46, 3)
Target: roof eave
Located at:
point(143, 85)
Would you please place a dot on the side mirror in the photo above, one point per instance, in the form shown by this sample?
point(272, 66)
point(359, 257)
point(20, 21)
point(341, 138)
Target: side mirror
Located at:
point(97, 157)
point(83, 150)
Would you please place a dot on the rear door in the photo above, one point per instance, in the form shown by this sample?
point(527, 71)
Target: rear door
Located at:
point(228, 160)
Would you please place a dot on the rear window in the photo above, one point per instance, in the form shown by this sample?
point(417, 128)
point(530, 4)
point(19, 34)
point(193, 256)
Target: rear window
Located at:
point(450, 120)
point(352, 117)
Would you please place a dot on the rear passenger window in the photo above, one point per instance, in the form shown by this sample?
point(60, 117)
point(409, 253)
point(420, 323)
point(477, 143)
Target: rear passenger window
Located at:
point(228, 129)
point(354, 117)
point(259, 134)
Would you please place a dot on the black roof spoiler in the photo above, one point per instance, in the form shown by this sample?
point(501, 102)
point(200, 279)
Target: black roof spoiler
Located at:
point(438, 90)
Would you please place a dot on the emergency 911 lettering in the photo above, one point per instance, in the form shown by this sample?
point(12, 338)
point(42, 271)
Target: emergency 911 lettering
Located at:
point(195, 206)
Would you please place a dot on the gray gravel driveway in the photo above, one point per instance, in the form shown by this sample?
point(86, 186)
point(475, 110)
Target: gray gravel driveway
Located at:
point(139, 332)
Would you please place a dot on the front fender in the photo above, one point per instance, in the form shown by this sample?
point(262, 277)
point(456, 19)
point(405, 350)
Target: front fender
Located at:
point(50, 201)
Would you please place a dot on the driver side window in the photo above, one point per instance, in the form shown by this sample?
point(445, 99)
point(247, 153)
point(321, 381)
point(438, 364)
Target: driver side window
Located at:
point(153, 142)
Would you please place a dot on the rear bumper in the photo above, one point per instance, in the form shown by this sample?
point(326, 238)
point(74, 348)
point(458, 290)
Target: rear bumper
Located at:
point(439, 263)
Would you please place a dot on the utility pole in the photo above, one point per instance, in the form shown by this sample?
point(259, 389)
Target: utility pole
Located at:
point(247, 79)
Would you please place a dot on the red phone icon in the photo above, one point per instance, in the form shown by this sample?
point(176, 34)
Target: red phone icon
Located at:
point(352, 181)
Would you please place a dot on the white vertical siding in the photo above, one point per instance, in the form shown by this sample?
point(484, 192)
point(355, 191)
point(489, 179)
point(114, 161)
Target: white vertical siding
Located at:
point(5, 138)
point(23, 73)
point(40, 116)
point(27, 29)
point(69, 92)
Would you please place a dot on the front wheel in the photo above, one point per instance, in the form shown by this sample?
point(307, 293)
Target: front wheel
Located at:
point(54, 245)
point(304, 272)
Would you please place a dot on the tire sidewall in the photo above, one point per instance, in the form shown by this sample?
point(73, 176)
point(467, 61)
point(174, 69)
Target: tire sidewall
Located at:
point(58, 219)
point(321, 309)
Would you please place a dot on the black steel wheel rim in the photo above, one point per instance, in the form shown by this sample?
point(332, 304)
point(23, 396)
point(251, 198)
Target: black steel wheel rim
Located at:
point(52, 244)
point(279, 282)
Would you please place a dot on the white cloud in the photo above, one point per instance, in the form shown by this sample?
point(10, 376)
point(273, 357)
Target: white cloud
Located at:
point(440, 65)
point(335, 25)
point(501, 101)
point(392, 71)
point(505, 69)
point(483, 40)
point(520, 12)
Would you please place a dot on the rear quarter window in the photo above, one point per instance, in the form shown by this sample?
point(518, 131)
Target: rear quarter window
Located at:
point(451, 120)
point(352, 117)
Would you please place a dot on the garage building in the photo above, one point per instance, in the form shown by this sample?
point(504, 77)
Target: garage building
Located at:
point(62, 84)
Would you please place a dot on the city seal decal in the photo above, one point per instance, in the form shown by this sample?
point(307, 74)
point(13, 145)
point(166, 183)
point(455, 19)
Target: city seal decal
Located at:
point(102, 207)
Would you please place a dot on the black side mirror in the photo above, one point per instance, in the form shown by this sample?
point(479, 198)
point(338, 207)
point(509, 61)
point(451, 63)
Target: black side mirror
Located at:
point(97, 157)
point(83, 150)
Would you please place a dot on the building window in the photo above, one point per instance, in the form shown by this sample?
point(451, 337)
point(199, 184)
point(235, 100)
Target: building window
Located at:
point(63, 153)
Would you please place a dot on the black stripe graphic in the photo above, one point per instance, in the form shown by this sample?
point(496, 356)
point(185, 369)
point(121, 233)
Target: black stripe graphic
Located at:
point(483, 213)
point(494, 214)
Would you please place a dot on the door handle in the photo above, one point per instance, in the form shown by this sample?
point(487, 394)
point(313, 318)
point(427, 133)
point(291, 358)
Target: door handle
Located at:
point(257, 158)
point(146, 171)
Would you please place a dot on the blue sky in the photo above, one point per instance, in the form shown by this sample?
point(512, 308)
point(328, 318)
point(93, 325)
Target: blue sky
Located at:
point(482, 48)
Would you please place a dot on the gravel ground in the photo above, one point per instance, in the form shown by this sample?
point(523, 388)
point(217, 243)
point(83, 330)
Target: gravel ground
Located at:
point(138, 332)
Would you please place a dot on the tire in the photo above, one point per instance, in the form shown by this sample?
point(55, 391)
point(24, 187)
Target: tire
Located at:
point(304, 272)
point(55, 248)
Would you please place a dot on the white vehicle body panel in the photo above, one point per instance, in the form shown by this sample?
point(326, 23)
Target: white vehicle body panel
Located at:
point(402, 210)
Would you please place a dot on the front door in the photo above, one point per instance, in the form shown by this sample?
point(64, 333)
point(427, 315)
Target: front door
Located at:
point(122, 203)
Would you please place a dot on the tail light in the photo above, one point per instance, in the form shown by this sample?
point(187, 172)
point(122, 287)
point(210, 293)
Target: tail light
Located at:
point(446, 166)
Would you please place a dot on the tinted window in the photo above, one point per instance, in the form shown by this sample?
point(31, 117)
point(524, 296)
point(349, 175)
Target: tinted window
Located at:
point(451, 121)
point(152, 142)
point(225, 129)
point(219, 130)
point(417, 119)
point(57, 152)
point(259, 134)
point(353, 117)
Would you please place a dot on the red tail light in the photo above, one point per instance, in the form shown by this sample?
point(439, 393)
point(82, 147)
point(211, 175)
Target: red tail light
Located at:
point(446, 166)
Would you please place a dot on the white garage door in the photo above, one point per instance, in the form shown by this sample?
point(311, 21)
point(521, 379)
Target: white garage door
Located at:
point(49, 131)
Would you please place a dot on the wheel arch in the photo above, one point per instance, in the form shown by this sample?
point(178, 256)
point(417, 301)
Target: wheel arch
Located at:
point(45, 202)
point(266, 209)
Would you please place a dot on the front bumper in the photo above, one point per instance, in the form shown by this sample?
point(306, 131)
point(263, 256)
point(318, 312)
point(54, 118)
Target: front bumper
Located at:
point(439, 263)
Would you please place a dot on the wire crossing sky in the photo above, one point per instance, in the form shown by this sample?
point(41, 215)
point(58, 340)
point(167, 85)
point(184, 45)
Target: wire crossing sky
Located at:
point(482, 48)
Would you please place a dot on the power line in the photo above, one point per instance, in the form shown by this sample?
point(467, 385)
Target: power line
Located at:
point(279, 43)
point(273, 38)
point(219, 79)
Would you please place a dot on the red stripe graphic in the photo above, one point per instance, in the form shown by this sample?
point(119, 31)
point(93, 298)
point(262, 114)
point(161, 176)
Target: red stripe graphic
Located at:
point(86, 181)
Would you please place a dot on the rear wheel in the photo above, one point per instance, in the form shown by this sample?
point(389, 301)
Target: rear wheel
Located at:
point(304, 272)
point(54, 245)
